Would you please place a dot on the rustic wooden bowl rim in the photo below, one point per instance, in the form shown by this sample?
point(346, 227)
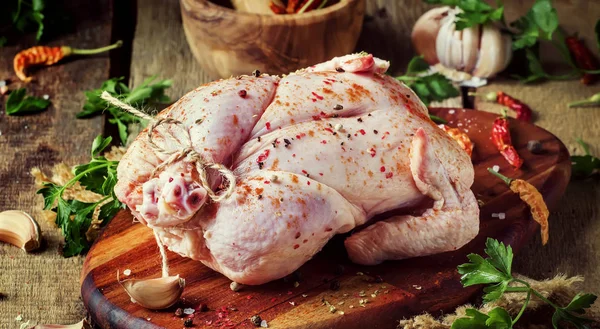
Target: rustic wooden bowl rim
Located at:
point(283, 18)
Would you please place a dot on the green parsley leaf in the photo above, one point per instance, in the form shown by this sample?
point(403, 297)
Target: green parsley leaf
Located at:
point(545, 17)
point(499, 318)
point(584, 165)
point(417, 65)
point(473, 320)
point(501, 256)
point(580, 302)
point(480, 271)
point(148, 93)
point(494, 292)
point(27, 15)
point(562, 315)
point(74, 217)
point(473, 12)
point(19, 104)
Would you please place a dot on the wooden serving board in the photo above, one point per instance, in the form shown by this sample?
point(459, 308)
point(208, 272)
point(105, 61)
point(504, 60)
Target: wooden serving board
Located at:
point(394, 289)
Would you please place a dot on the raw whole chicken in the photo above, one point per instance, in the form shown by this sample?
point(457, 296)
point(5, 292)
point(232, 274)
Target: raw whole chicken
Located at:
point(316, 153)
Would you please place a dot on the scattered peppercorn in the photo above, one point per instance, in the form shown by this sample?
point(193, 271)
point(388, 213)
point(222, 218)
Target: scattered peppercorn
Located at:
point(359, 120)
point(179, 312)
point(338, 107)
point(188, 322)
point(534, 146)
point(260, 196)
point(334, 285)
point(258, 138)
point(287, 142)
point(256, 320)
point(375, 132)
point(339, 69)
point(261, 165)
point(242, 93)
point(203, 307)
point(256, 73)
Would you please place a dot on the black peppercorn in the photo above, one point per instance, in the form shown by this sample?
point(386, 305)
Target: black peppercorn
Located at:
point(188, 322)
point(256, 73)
point(256, 320)
point(338, 107)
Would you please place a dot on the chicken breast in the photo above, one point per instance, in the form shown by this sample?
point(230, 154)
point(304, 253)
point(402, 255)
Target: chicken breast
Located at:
point(316, 153)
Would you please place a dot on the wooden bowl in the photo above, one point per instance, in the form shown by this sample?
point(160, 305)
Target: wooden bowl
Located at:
point(228, 42)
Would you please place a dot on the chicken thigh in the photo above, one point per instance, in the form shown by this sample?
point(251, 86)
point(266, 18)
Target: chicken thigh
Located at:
point(316, 153)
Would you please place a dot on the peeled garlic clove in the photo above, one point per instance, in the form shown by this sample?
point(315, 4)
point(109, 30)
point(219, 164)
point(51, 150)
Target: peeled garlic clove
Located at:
point(79, 325)
point(470, 45)
point(155, 294)
point(494, 52)
point(19, 229)
point(445, 41)
point(425, 32)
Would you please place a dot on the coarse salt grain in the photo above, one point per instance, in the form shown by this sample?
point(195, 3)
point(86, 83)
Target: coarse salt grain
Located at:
point(189, 311)
point(338, 127)
point(495, 215)
point(127, 272)
point(451, 111)
point(235, 286)
point(264, 324)
point(2, 83)
point(501, 215)
point(496, 168)
point(274, 178)
point(46, 97)
point(293, 303)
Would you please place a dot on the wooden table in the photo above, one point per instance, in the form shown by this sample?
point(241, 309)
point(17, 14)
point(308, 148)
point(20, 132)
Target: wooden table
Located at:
point(44, 287)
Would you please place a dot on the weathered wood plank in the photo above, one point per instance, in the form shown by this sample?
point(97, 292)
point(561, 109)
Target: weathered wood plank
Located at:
point(43, 286)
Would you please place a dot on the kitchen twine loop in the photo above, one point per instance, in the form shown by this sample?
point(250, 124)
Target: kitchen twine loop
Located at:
point(187, 153)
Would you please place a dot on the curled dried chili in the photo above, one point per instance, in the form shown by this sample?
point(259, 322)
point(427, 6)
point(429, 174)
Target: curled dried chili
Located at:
point(532, 197)
point(584, 58)
point(295, 6)
point(522, 110)
point(503, 142)
point(42, 55)
point(460, 137)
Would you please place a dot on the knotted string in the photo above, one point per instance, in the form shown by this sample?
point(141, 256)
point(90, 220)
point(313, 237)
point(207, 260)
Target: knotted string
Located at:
point(187, 154)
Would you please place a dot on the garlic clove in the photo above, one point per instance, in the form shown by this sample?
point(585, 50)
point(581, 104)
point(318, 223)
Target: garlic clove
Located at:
point(444, 41)
point(493, 52)
point(155, 294)
point(83, 324)
point(470, 46)
point(20, 229)
point(456, 50)
point(425, 32)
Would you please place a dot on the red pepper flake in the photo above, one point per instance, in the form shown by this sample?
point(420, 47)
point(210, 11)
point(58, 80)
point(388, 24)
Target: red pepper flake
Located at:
point(321, 173)
point(263, 156)
point(319, 97)
point(323, 142)
point(362, 131)
point(294, 155)
point(382, 169)
point(329, 129)
point(267, 182)
point(307, 182)
point(299, 136)
point(249, 297)
point(304, 172)
point(268, 125)
point(243, 93)
point(329, 229)
point(316, 117)
point(389, 175)
point(373, 152)
point(274, 299)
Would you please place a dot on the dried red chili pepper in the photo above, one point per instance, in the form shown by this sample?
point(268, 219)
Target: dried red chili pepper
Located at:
point(584, 58)
point(530, 195)
point(460, 137)
point(42, 55)
point(295, 6)
point(523, 111)
point(277, 9)
point(502, 141)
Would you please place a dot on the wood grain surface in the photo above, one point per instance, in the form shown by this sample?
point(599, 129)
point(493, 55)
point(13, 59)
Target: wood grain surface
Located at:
point(34, 285)
point(394, 289)
point(227, 42)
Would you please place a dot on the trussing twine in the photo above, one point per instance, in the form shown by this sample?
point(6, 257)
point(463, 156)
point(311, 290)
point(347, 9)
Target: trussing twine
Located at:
point(163, 255)
point(188, 153)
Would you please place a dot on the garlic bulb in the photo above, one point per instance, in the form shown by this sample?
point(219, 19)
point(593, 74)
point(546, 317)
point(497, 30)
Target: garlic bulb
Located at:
point(19, 229)
point(83, 324)
point(481, 50)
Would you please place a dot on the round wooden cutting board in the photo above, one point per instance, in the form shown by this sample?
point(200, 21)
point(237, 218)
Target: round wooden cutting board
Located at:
point(394, 289)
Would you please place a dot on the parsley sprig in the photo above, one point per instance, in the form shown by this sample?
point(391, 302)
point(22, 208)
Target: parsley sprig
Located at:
point(584, 165)
point(23, 16)
point(473, 12)
point(429, 87)
point(20, 104)
point(74, 217)
point(495, 271)
point(146, 94)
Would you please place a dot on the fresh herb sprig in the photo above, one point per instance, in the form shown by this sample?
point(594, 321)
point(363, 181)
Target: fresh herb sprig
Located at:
point(473, 12)
point(429, 87)
point(148, 93)
point(74, 217)
point(584, 165)
point(495, 271)
point(23, 17)
point(20, 104)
